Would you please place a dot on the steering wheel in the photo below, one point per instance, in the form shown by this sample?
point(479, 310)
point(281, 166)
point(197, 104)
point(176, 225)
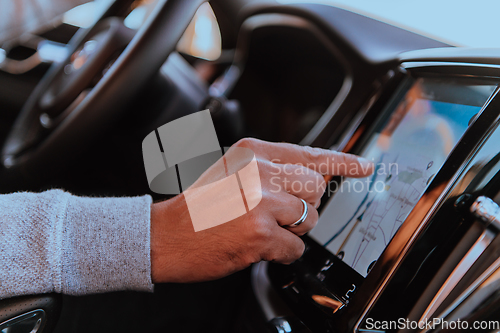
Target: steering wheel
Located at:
point(76, 99)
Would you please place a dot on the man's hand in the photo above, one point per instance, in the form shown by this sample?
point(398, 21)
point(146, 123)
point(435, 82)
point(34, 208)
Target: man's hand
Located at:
point(287, 172)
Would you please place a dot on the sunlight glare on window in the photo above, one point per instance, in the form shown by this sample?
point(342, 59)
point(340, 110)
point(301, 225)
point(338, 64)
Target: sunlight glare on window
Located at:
point(84, 16)
point(202, 37)
point(458, 23)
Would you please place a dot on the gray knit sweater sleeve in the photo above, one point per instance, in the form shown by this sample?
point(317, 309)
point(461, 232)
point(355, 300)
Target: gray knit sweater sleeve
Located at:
point(56, 242)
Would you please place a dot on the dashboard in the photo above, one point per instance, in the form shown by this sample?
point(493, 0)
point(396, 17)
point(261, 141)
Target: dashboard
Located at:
point(405, 242)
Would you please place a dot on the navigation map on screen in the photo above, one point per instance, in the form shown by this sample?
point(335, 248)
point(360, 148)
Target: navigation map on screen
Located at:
point(363, 216)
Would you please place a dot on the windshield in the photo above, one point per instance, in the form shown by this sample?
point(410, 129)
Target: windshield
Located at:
point(464, 23)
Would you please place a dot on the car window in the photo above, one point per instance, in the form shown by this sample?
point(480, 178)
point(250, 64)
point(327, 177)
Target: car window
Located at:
point(86, 14)
point(468, 23)
point(201, 39)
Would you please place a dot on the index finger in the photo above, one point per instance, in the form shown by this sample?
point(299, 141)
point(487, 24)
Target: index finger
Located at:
point(326, 162)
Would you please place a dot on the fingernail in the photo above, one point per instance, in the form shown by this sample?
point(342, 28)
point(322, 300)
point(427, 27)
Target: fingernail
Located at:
point(366, 164)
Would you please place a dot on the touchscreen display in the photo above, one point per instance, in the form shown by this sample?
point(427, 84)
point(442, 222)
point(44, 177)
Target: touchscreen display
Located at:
point(408, 149)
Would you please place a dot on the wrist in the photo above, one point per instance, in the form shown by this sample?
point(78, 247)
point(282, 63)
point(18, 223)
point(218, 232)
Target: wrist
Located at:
point(169, 219)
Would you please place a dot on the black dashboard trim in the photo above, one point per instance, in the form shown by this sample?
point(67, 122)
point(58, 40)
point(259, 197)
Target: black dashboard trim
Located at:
point(354, 35)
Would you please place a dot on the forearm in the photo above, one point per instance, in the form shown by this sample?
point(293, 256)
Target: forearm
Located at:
point(56, 242)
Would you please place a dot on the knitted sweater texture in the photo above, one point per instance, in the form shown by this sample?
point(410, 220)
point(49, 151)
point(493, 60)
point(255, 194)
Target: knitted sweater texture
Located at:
point(56, 242)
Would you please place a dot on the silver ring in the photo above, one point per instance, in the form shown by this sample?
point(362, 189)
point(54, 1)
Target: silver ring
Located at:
point(302, 218)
